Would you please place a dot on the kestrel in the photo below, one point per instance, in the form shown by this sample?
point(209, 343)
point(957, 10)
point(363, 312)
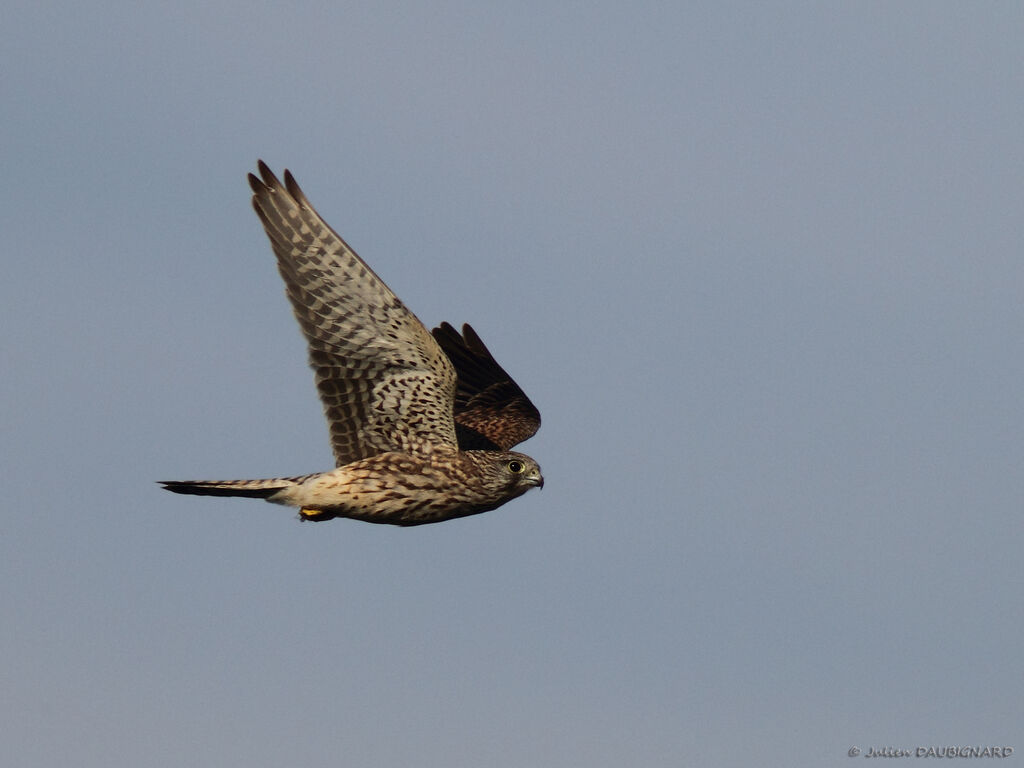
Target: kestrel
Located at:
point(421, 423)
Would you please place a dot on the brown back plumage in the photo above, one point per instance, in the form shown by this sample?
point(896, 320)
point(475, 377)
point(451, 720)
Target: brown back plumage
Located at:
point(491, 411)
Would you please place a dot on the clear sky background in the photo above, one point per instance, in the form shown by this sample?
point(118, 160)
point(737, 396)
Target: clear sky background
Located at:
point(759, 265)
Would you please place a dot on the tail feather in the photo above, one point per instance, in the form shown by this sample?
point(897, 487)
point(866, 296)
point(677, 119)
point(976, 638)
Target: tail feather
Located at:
point(253, 489)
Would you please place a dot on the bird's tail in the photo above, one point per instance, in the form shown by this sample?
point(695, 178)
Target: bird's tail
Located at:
point(253, 489)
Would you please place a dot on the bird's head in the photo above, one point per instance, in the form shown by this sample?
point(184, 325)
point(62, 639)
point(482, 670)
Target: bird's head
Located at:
point(507, 473)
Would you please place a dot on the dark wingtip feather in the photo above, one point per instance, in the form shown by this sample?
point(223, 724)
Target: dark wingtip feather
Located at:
point(294, 189)
point(473, 341)
point(266, 181)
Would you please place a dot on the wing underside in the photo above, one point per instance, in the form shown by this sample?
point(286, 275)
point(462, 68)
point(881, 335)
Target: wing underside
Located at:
point(384, 382)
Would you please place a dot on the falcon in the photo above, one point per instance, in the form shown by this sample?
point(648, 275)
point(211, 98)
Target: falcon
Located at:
point(421, 422)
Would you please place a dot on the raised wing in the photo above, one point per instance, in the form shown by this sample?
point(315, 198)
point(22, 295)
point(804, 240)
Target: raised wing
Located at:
point(384, 381)
point(491, 411)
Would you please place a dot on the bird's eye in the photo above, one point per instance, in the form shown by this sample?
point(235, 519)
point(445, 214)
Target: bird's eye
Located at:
point(516, 467)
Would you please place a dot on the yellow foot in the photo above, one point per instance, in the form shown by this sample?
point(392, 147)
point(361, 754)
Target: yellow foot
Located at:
point(314, 514)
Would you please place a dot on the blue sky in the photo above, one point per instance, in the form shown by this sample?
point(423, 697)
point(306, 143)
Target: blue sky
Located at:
point(759, 265)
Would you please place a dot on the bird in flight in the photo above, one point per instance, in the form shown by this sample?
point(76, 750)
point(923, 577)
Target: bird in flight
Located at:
point(421, 423)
